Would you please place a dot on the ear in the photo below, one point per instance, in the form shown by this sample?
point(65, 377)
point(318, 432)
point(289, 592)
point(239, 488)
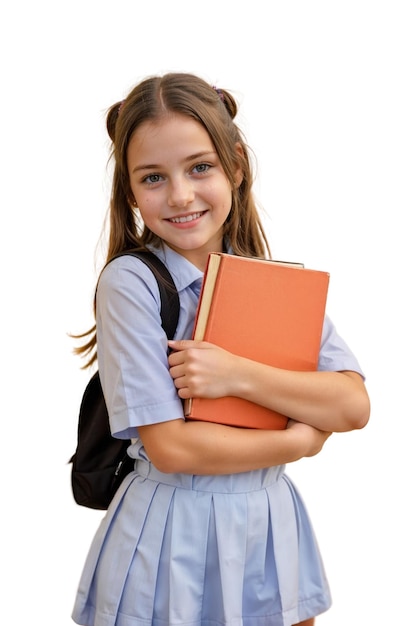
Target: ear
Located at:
point(131, 199)
point(239, 172)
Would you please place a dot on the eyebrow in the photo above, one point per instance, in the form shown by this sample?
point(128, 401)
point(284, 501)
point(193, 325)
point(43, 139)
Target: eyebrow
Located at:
point(192, 157)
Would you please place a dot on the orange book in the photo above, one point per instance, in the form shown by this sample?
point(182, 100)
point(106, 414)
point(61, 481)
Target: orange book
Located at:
point(268, 311)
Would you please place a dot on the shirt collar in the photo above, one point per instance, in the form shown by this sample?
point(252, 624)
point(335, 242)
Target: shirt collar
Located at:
point(183, 272)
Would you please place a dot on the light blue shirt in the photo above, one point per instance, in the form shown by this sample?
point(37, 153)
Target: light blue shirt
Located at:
point(132, 346)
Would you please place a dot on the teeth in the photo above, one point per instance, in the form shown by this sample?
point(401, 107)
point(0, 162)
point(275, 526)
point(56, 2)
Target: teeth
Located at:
point(188, 218)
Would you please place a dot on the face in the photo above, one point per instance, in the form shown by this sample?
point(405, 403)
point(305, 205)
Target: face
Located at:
point(179, 185)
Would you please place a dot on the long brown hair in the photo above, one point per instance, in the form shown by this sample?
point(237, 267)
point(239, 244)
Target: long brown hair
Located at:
point(215, 109)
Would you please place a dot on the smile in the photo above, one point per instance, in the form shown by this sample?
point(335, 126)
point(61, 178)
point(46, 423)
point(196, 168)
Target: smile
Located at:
point(186, 218)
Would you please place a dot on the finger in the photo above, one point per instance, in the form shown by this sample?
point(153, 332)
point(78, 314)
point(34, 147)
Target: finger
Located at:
point(176, 372)
point(180, 344)
point(182, 388)
point(184, 393)
point(186, 344)
point(175, 358)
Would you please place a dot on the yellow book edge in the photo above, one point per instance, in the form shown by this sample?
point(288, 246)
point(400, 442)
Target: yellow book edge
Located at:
point(206, 296)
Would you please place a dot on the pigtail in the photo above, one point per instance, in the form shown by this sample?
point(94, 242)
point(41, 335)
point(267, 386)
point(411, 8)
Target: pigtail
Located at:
point(229, 102)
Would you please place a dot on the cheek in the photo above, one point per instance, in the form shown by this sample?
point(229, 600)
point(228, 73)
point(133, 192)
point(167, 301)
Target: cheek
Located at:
point(146, 203)
point(221, 194)
point(227, 197)
point(144, 210)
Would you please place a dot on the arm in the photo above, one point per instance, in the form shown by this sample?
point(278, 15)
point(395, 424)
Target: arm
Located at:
point(329, 401)
point(206, 448)
point(334, 401)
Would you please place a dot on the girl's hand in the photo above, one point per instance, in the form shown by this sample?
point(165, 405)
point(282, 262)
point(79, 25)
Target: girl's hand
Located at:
point(201, 370)
point(313, 437)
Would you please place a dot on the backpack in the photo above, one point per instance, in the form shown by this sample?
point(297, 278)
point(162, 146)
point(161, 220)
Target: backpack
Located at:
point(100, 462)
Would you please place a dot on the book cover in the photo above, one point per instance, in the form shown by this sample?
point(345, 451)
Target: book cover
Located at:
point(268, 311)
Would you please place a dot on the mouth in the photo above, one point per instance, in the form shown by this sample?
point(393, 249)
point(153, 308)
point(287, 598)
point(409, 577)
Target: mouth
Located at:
point(183, 219)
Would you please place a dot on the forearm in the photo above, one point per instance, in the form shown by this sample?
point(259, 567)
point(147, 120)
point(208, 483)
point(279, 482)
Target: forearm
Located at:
point(330, 401)
point(204, 448)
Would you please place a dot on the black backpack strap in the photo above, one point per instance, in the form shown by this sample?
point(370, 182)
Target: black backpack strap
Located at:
point(100, 461)
point(170, 302)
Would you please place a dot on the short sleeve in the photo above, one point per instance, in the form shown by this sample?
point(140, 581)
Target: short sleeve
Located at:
point(335, 354)
point(132, 349)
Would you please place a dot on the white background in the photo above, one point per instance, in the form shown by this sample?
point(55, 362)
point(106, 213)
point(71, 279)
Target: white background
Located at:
point(328, 103)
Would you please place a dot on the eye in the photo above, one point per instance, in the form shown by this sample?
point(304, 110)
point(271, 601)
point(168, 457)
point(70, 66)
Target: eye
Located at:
point(201, 168)
point(152, 178)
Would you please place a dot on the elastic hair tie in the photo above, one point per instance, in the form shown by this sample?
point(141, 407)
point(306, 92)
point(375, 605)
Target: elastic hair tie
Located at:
point(219, 92)
point(121, 105)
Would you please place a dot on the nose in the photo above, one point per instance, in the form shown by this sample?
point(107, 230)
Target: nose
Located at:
point(181, 193)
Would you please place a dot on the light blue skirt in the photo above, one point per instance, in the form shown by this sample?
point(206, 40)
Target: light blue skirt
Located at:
point(235, 550)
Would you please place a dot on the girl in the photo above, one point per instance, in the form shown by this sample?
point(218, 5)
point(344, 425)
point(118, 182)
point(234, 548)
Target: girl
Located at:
point(208, 530)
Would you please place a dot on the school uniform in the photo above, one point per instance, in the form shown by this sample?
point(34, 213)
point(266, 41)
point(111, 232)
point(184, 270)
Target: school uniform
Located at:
point(176, 549)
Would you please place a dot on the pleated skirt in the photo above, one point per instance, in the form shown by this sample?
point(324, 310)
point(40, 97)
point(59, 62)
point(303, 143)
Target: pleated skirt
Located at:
point(174, 549)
